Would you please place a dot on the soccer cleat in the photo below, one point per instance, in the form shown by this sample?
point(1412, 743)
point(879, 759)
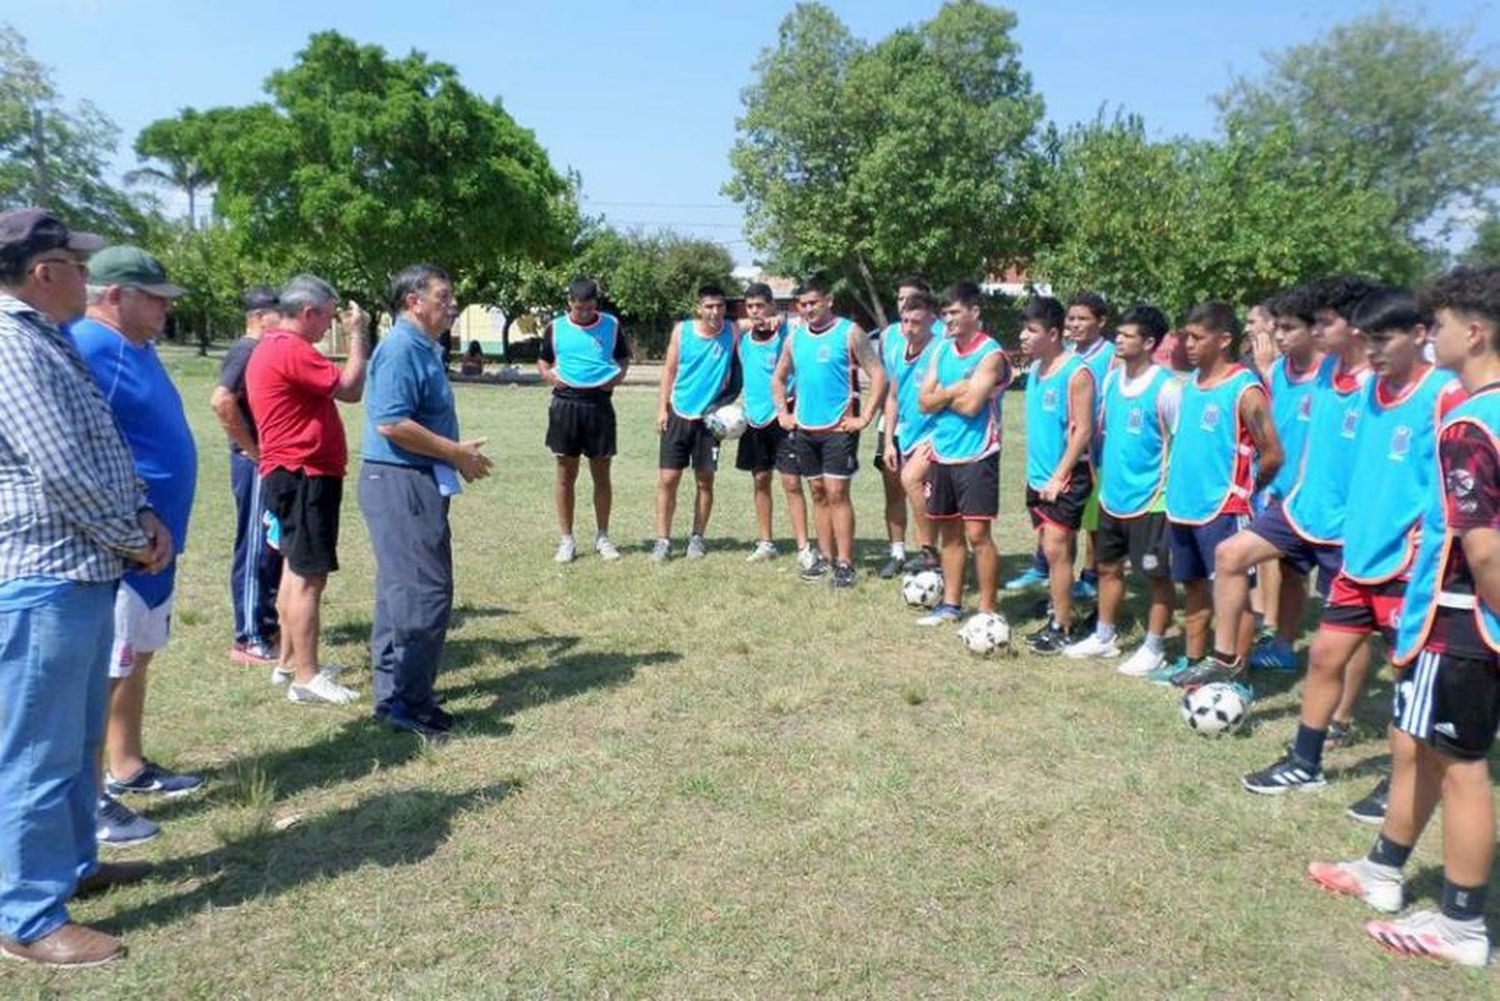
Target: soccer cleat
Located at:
point(941, 615)
point(1210, 670)
point(891, 567)
point(1433, 935)
point(567, 550)
point(1377, 885)
point(1092, 646)
point(153, 778)
point(118, 826)
point(817, 571)
point(1142, 663)
point(1170, 671)
point(763, 551)
point(1048, 641)
point(1288, 773)
point(806, 556)
point(1029, 578)
point(253, 654)
point(661, 550)
point(321, 690)
point(695, 548)
point(1272, 655)
point(1371, 809)
point(843, 576)
point(1085, 590)
point(926, 558)
point(605, 548)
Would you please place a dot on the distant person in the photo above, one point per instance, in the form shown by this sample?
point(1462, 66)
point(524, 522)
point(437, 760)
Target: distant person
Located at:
point(473, 363)
point(255, 569)
point(78, 518)
point(584, 356)
point(303, 458)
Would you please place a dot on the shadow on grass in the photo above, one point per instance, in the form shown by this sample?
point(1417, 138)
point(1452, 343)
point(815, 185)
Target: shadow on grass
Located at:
point(358, 630)
point(562, 678)
point(387, 830)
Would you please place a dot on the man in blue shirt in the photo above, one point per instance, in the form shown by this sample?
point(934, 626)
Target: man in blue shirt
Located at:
point(412, 461)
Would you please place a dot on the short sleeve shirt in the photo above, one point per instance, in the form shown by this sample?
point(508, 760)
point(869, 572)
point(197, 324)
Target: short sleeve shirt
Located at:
point(1471, 495)
point(291, 387)
point(406, 381)
point(232, 378)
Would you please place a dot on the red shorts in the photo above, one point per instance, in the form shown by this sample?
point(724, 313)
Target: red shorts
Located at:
point(1353, 607)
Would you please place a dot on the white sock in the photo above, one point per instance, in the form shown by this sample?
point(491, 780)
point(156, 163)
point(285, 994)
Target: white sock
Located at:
point(898, 550)
point(1105, 633)
point(1153, 643)
point(600, 536)
point(566, 538)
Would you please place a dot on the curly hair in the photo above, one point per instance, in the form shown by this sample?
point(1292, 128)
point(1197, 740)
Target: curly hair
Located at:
point(1342, 293)
point(1471, 290)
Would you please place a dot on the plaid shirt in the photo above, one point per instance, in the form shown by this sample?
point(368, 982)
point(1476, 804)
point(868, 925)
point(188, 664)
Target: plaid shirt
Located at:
point(69, 493)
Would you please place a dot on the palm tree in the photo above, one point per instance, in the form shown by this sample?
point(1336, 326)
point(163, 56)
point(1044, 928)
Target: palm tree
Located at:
point(174, 143)
point(183, 175)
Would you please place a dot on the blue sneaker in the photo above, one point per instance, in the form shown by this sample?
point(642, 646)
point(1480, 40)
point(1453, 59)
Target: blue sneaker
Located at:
point(941, 615)
point(1029, 578)
point(1272, 655)
point(1169, 671)
point(153, 778)
point(118, 826)
point(1085, 590)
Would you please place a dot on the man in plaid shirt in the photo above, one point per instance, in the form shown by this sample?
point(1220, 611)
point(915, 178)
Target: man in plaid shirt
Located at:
point(73, 516)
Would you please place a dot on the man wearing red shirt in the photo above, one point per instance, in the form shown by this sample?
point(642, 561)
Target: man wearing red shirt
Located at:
point(303, 457)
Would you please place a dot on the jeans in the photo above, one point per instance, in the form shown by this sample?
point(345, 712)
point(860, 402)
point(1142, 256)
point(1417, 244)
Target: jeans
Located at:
point(255, 573)
point(54, 687)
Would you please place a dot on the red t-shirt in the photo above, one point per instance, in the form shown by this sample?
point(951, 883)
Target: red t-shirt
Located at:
point(291, 386)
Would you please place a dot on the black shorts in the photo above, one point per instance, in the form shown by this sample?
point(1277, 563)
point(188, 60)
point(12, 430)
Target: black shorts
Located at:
point(967, 490)
point(1143, 539)
point(1450, 702)
point(878, 461)
point(1067, 510)
point(834, 454)
point(686, 443)
point(581, 427)
point(767, 448)
point(307, 510)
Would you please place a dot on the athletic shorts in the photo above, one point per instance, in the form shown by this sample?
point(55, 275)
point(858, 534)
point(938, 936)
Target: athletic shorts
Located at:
point(1143, 539)
point(1450, 702)
point(770, 447)
point(834, 454)
point(1091, 510)
point(1363, 608)
point(687, 442)
point(1067, 510)
point(307, 509)
point(581, 427)
point(966, 490)
point(139, 628)
point(1192, 546)
point(1296, 552)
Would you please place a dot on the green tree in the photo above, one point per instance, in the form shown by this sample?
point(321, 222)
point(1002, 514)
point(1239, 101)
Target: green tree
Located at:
point(1409, 110)
point(176, 144)
point(866, 161)
point(652, 280)
point(1486, 246)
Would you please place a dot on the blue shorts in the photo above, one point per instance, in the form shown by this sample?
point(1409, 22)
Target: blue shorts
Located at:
point(1296, 552)
point(1193, 545)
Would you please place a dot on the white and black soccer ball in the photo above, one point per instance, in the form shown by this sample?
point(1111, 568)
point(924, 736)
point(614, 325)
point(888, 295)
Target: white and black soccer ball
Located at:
point(726, 423)
point(923, 589)
point(985, 633)
point(1214, 710)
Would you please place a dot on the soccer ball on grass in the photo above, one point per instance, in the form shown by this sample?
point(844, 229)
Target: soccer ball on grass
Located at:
point(923, 589)
point(1216, 709)
point(985, 633)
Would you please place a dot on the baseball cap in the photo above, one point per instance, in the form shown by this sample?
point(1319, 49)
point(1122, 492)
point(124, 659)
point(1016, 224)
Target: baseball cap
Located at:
point(27, 232)
point(133, 268)
point(259, 297)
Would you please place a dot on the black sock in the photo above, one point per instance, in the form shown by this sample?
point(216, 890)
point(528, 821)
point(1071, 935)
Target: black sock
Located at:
point(1225, 658)
point(1387, 852)
point(1308, 747)
point(1463, 903)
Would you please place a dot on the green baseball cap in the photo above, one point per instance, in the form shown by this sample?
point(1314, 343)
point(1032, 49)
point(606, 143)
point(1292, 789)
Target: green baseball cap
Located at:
point(132, 267)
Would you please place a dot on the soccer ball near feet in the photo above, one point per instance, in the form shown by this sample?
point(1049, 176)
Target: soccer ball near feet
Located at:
point(1216, 709)
point(923, 589)
point(984, 633)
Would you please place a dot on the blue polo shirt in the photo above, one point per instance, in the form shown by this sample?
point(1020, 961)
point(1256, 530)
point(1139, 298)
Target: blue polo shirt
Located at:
point(406, 380)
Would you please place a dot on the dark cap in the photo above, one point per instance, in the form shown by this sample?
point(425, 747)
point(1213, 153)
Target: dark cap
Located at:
point(27, 232)
point(259, 297)
point(132, 267)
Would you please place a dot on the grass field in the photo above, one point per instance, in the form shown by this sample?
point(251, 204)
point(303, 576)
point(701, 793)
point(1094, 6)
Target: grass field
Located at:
point(709, 780)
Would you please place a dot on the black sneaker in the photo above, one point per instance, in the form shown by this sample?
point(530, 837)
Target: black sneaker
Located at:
point(1210, 670)
point(890, 568)
point(843, 575)
point(1288, 773)
point(817, 572)
point(926, 559)
point(1048, 640)
point(1371, 809)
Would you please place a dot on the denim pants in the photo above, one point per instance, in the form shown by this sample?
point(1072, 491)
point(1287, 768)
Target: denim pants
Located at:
point(255, 571)
point(54, 688)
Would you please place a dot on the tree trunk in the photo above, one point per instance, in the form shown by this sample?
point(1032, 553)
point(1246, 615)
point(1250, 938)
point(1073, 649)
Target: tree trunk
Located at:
point(876, 307)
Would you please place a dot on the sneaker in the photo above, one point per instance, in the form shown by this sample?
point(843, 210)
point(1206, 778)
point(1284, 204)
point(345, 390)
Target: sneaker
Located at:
point(321, 689)
point(567, 550)
point(1210, 670)
point(1272, 655)
point(816, 571)
point(1029, 578)
point(1142, 663)
point(695, 549)
point(153, 778)
point(283, 675)
point(605, 548)
point(1339, 735)
point(1048, 641)
point(1170, 670)
point(1371, 809)
point(941, 615)
point(254, 654)
point(1433, 935)
point(1092, 646)
point(435, 724)
point(764, 550)
point(661, 551)
point(1085, 590)
point(843, 576)
point(926, 558)
point(891, 567)
point(1288, 773)
point(1377, 885)
point(806, 557)
point(118, 826)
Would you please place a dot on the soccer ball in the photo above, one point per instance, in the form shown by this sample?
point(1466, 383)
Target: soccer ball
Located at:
point(985, 633)
point(923, 589)
point(727, 422)
point(1214, 710)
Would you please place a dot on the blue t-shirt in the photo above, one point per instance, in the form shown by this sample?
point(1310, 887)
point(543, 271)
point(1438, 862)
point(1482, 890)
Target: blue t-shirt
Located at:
point(148, 410)
point(406, 381)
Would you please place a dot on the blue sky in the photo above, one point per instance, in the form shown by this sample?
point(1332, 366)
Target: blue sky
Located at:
point(641, 97)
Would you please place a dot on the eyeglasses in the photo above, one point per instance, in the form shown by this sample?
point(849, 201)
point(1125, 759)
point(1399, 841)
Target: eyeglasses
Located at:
point(82, 268)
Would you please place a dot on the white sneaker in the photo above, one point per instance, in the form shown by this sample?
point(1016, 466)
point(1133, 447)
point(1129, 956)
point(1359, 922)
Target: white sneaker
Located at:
point(1377, 885)
point(1433, 935)
point(1092, 646)
point(661, 550)
point(567, 550)
point(605, 548)
point(806, 557)
point(1142, 663)
point(282, 675)
point(695, 549)
point(321, 689)
point(764, 550)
